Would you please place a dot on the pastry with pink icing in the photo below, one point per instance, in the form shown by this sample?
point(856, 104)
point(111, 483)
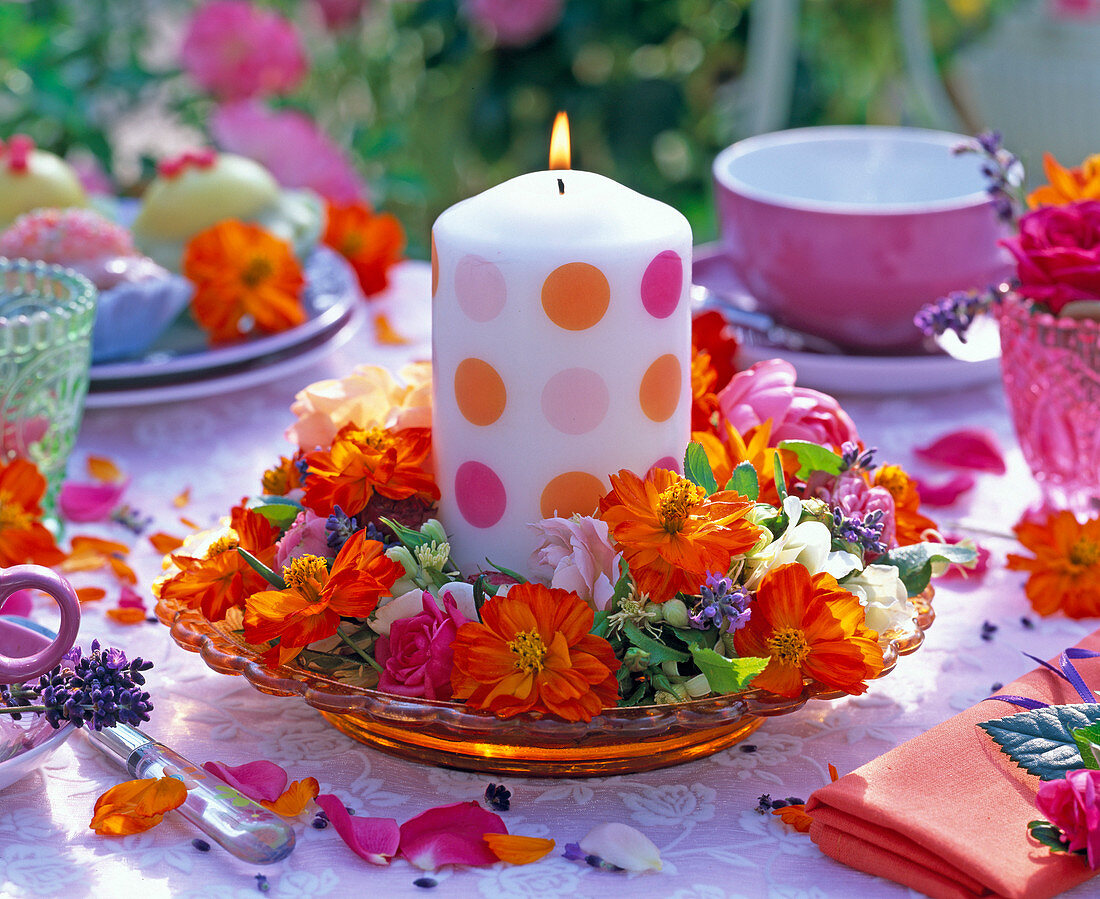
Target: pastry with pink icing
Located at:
point(31, 178)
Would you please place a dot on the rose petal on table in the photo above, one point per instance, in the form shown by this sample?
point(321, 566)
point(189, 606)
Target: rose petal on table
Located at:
point(262, 780)
point(945, 493)
point(295, 798)
point(182, 498)
point(90, 594)
point(373, 839)
point(129, 598)
point(622, 845)
point(795, 816)
point(128, 615)
point(450, 835)
point(165, 543)
point(970, 448)
point(385, 334)
point(103, 469)
point(89, 502)
point(517, 850)
point(136, 805)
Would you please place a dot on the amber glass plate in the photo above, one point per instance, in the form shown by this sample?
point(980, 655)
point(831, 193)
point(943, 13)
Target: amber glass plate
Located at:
point(618, 741)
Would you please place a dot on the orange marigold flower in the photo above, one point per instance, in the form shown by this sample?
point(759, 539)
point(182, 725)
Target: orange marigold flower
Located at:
point(24, 540)
point(280, 479)
point(136, 805)
point(704, 398)
point(810, 627)
point(244, 278)
point(532, 651)
point(909, 524)
point(362, 462)
point(671, 533)
point(726, 449)
point(315, 598)
point(1067, 185)
point(370, 241)
point(1065, 569)
point(222, 579)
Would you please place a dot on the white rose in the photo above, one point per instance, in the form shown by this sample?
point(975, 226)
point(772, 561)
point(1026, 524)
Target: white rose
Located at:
point(807, 543)
point(884, 599)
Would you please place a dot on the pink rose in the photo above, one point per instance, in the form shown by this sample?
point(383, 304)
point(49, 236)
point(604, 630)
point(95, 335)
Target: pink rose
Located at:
point(767, 391)
point(416, 657)
point(856, 499)
point(307, 536)
point(514, 23)
point(236, 50)
point(576, 555)
point(1058, 254)
point(1073, 806)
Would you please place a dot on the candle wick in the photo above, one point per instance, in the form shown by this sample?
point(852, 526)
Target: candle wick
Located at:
point(561, 186)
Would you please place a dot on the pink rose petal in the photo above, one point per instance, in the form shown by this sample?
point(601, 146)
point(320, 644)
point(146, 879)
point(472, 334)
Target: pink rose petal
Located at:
point(129, 598)
point(263, 781)
point(372, 839)
point(89, 502)
point(945, 493)
point(450, 835)
point(969, 448)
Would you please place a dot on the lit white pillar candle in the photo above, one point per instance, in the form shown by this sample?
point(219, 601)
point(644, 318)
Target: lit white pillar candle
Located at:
point(561, 339)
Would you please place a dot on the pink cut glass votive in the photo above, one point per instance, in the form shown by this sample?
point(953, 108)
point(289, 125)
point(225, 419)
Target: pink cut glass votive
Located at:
point(1051, 371)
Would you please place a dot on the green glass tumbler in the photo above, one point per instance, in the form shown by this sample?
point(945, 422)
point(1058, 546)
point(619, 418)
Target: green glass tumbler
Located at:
point(46, 318)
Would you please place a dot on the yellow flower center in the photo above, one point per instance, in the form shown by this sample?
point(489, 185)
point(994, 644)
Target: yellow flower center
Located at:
point(351, 243)
point(276, 481)
point(306, 570)
point(222, 544)
point(529, 650)
point(12, 514)
point(1084, 552)
point(675, 503)
point(377, 438)
point(893, 479)
point(788, 646)
point(258, 270)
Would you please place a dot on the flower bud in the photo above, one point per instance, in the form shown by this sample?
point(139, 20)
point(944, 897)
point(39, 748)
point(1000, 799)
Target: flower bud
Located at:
point(434, 529)
point(636, 660)
point(675, 612)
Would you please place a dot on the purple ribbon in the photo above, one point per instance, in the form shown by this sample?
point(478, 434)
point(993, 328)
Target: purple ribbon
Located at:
point(1066, 672)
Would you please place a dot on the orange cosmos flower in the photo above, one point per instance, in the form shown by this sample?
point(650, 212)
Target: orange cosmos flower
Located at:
point(315, 598)
point(810, 627)
point(281, 478)
point(1067, 185)
point(726, 449)
point(909, 524)
point(362, 462)
point(370, 241)
point(244, 279)
point(704, 398)
point(532, 651)
point(671, 533)
point(1065, 570)
point(23, 538)
point(136, 805)
point(221, 579)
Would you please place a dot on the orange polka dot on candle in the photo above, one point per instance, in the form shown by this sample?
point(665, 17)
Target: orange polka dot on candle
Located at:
point(479, 392)
point(572, 492)
point(575, 296)
point(659, 393)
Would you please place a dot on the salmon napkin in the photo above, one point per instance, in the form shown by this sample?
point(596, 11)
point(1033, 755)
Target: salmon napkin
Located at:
point(947, 812)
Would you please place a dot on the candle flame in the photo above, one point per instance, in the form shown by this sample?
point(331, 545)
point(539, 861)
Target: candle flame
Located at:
point(559, 143)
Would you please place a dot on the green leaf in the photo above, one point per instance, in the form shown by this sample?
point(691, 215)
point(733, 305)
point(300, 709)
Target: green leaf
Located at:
point(1041, 741)
point(600, 624)
point(507, 572)
point(726, 675)
point(479, 594)
point(1046, 833)
point(697, 468)
point(1088, 744)
point(745, 481)
point(812, 457)
point(914, 563)
point(622, 585)
point(692, 637)
point(409, 538)
point(658, 652)
point(281, 515)
point(266, 573)
point(780, 480)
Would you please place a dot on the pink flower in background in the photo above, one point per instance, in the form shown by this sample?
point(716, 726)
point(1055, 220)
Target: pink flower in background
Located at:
point(767, 391)
point(1073, 806)
point(340, 13)
point(514, 23)
point(290, 145)
point(236, 50)
point(305, 537)
point(1058, 254)
point(416, 656)
point(575, 554)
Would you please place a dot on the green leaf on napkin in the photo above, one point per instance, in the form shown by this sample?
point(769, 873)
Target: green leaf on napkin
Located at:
point(1046, 833)
point(726, 675)
point(744, 480)
point(914, 563)
point(812, 457)
point(697, 468)
point(1088, 743)
point(1041, 741)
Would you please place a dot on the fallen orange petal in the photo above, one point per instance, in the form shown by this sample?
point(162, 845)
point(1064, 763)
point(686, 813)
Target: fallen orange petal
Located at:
point(188, 523)
point(90, 594)
point(518, 850)
point(294, 798)
point(833, 773)
point(103, 469)
point(165, 543)
point(121, 570)
point(182, 499)
point(385, 334)
point(136, 805)
point(84, 545)
point(795, 815)
point(127, 615)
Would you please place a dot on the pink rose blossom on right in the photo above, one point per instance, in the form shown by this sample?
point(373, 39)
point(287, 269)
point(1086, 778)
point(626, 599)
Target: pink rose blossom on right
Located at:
point(1073, 806)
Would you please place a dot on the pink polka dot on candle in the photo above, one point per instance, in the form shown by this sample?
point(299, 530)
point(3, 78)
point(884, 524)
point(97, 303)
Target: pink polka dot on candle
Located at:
point(662, 283)
point(480, 494)
point(669, 463)
point(479, 288)
point(575, 400)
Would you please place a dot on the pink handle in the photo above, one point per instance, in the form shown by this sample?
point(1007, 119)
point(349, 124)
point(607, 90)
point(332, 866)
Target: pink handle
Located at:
point(35, 577)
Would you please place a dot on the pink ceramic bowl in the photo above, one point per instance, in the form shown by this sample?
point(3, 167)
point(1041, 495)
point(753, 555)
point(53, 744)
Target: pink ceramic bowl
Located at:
point(846, 231)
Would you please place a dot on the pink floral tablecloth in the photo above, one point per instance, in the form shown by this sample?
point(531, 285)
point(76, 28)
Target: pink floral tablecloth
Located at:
point(701, 815)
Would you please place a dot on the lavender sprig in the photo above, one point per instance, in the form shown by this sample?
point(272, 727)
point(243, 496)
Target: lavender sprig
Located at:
point(851, 457)
point(1003, 171)
point(101, 690)
point(721, 605)
point(865, 531)
point(957, 311)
